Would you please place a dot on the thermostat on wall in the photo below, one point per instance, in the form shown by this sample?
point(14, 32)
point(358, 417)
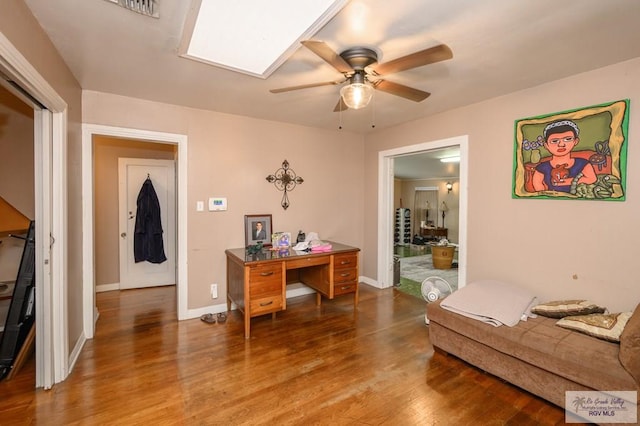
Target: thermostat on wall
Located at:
point(217, 204)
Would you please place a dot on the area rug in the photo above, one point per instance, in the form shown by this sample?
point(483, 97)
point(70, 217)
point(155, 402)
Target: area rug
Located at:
point(410, 287)
point(417, 268)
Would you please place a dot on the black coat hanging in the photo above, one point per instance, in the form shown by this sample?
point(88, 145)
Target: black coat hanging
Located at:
point(147, 239)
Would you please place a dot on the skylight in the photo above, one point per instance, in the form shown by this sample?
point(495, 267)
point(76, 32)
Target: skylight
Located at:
point(252, 36)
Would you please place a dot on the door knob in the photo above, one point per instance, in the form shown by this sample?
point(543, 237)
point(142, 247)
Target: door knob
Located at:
point(123, 235)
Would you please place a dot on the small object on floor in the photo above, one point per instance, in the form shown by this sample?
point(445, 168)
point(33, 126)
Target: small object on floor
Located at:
point(222, 318)
point(208, 318)
point(454, 264)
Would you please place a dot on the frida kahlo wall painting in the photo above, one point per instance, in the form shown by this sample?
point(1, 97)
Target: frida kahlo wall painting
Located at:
point(577, 154)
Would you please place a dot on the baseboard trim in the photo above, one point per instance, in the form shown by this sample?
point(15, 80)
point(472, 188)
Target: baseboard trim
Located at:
point(107, 287)
point(75, 353)
point(298, 289)
point(369, 281)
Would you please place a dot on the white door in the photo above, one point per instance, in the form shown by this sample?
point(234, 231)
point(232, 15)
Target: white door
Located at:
point(44, 241)
point(132, 172)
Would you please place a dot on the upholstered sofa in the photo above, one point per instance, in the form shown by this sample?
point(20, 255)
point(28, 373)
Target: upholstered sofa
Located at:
point(540, 357)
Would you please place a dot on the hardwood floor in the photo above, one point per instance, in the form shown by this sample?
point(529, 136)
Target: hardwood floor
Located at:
point(327, 365)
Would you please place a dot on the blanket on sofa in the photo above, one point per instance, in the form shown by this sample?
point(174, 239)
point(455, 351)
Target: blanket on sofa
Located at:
point(492, 302)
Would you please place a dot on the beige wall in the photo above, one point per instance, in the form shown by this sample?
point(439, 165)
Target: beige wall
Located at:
point(559, 249)
point(230, 156)
point(106, 151)
point(20, 27)
point(16, 153)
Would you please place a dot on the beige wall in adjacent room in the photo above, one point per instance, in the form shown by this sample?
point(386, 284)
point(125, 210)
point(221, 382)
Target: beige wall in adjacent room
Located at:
point(557, 248)
point(230, 156)
point(20, 27)
point(16, 153)
point(106, 151)
point(408, 190)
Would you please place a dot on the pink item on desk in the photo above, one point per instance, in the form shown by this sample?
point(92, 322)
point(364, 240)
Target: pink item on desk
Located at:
point(320, 246)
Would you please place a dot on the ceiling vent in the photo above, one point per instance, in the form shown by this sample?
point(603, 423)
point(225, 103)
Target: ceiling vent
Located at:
point(144, 7)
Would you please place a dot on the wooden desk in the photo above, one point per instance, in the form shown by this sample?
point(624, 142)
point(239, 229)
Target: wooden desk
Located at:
point(434, 233)
point(256, 283)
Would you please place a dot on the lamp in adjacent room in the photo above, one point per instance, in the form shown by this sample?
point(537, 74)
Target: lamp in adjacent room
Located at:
point(443, 208)
point(449, 187)
point(358, 93)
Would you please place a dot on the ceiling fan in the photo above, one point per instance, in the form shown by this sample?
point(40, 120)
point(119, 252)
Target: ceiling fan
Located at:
point(360, 68)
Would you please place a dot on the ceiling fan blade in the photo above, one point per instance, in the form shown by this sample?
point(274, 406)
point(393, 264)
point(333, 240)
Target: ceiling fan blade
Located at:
point(432, 55)
point(306, 86)
point(323, 50)
point(401, 90)
point(340, 106)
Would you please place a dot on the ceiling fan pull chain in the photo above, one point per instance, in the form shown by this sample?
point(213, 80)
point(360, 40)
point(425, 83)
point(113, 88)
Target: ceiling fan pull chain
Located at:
point(373, 112)
point(340, 115)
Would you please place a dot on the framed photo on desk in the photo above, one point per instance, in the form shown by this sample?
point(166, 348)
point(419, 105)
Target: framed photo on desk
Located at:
point(257, 228)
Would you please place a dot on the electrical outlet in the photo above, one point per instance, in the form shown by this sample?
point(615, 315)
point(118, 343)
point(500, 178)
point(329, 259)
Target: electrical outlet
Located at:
point(214, 291)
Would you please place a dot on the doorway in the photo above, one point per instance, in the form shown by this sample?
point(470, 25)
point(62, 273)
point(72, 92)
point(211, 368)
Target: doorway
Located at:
point(386, 205)
point(89, 133)
point(426, 189)
point(110, 223)
point(17, 210)
point(50, 178)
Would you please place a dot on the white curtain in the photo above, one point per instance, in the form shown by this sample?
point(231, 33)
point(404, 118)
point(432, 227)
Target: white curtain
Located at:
point(425, 208)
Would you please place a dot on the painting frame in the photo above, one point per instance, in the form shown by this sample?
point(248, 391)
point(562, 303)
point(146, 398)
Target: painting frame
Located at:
point(597, 148)
point(251, 222)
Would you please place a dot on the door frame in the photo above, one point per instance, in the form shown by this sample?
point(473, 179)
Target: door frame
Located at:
point(50, 160)
point(385, 206)
point(90, 312)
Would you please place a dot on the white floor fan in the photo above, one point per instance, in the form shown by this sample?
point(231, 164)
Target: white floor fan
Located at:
point(434, 288)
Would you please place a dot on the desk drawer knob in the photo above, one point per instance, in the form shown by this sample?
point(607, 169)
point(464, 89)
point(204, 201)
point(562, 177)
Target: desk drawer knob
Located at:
point(266, 274)
point(267, 303)
point(345, 262)
point(345, 287)
point(345, 274)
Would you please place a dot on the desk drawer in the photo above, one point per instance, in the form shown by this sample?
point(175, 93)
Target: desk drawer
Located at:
point(267, 273)
point(309, 261)
point(265, 288)
point(339, 289)
point(344, 276)
point(347, 260)
point(266, 305)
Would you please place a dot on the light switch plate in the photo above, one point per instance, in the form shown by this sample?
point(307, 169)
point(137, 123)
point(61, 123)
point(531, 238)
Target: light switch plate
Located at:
point(217, 204)
point(200, 206)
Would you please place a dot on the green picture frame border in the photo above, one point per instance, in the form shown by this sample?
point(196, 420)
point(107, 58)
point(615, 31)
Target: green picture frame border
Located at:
point(591, 117)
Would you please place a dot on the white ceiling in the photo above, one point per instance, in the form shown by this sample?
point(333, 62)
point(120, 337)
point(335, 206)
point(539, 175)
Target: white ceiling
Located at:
point(499, 46)
point(427, 165)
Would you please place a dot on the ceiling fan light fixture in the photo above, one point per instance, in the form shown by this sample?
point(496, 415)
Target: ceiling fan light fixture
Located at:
point(357, 95)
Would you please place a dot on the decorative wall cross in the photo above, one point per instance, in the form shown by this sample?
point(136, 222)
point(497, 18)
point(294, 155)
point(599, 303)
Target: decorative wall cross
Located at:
point(285, 179)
